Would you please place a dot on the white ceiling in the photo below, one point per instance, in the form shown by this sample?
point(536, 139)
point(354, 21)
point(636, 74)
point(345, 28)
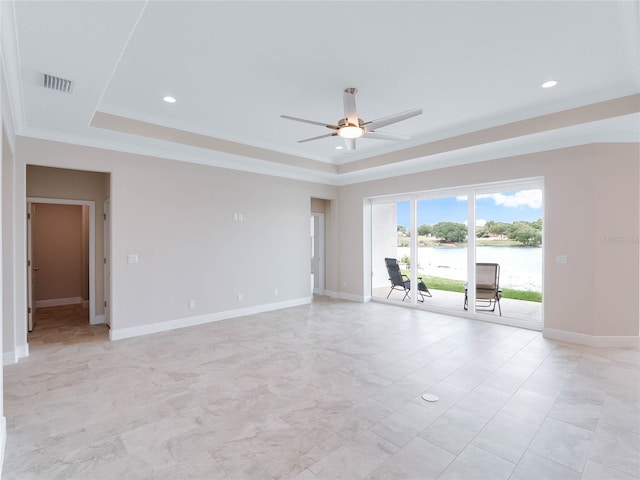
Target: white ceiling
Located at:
point(235, 67)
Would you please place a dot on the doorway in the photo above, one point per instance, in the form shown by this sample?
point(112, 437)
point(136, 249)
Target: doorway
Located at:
point(317, 253)
point(61, 255)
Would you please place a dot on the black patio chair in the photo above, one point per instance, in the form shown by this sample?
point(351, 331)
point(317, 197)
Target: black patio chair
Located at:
point(401, 282)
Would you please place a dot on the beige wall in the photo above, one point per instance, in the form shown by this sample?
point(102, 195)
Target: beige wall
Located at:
point(318, 205)
point(178, 218)
point(59, 251)
point(68, 184)
point(591, 197)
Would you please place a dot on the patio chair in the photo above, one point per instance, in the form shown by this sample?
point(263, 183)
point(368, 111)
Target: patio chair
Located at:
point(401, 282)
point(488, 292)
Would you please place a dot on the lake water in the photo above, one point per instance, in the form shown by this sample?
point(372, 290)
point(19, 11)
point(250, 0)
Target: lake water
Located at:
point(520, 267)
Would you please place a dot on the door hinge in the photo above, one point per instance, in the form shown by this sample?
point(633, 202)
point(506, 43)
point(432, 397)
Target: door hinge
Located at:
point(28, 263)
point(105, 260)
point(105, 303)
point(29, 310)
point(104, 215)
point(28, 216)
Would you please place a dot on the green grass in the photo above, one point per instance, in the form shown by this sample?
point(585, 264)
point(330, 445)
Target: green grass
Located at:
point(439, 283)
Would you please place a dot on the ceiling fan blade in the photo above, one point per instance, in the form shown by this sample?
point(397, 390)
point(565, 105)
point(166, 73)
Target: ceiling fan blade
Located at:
point(312, 122)
point(317, 138)
point(384, 121)
point(349, 99)
point(350, 143)
point(384, 136)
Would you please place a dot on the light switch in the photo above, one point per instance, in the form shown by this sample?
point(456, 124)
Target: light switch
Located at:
point(561, 259)
point(132, 258)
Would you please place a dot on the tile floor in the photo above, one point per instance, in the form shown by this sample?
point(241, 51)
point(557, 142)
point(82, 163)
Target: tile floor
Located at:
point(326, 391)
point(65, 324)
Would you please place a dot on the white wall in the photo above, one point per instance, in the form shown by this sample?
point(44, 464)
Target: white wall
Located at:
point(6, 155)
point(179, 219)
point(384, 241)
point(591, 194)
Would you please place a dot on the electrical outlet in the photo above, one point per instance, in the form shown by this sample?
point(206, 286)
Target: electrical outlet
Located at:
point(240, 297)
point(192, 304)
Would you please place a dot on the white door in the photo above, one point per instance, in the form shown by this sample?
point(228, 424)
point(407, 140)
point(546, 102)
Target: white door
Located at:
point(31, 270)
point(107, 262)
point(317, 253)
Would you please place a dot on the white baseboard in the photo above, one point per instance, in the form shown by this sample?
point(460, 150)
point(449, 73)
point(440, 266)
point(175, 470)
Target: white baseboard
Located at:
point(591, 340)
point(345, 296)
point(9, 358)
point(56, 302)
point(98, 320)
point(3, 440)
point(120, 333)
point(22, 351)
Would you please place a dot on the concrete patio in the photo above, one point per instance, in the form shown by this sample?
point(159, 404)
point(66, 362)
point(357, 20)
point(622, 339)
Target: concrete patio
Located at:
point(511, 309)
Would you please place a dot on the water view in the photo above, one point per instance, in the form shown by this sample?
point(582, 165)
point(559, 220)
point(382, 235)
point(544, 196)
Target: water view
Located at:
point(520, 267)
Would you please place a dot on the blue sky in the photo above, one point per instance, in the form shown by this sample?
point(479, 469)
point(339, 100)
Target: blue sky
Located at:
point(501, 207)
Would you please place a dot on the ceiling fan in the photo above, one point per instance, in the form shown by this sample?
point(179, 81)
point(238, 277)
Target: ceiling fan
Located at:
point(351, 127)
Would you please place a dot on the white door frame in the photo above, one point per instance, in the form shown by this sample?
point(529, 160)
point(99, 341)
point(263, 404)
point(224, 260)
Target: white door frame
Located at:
point(107, 261)
point(318, 235)
point(92, 244)
point(30, 267)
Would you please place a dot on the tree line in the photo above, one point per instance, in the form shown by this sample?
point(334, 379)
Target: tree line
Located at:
point(526, 233)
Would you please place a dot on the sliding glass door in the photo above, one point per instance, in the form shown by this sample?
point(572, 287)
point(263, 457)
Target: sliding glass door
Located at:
point(390, 240)
point(442, 235)
point(509, 234)
point(470, 251)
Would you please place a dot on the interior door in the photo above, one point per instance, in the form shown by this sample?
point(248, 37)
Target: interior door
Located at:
point(107, 262)
point(31, 270)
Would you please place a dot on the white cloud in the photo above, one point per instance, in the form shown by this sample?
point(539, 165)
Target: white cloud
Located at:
point(528, 198)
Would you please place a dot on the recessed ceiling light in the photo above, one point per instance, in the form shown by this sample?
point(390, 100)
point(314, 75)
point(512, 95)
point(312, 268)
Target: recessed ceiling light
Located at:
point(169, 99)
point(339, 147)
point(549, 84)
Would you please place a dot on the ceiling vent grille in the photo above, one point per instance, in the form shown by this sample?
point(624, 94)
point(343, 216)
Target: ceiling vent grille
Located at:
point(57, 83)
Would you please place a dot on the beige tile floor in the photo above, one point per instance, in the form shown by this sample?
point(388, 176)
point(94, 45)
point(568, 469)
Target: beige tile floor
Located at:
point(65, 324)
point(326, 391)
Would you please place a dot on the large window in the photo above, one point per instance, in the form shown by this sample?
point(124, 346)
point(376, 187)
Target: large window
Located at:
point(442, 240)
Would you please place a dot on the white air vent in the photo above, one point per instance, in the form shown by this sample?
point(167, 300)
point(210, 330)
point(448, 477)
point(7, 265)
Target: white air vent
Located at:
point(57, 83)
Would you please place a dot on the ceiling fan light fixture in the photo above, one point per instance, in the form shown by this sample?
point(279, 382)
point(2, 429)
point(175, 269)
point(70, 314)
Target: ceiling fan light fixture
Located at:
point(350, 131)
